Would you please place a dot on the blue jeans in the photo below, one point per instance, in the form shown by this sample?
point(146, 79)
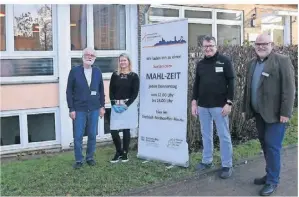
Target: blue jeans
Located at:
point(206, 117)
point(271, 137)
point(85, 121)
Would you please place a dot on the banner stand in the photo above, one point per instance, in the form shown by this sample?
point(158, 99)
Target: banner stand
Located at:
point(163, 94)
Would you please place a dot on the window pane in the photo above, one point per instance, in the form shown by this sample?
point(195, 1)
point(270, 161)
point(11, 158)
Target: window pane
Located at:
point(229, 16)
point(78, 25)
point(2, 28)
point(26, 67)
point(228, 34)
point(106, 64)
point(278, 37)
point(10, 130)
point(41, 127)
point(198, 14)
point(294, 22)
point(196, 32)
point(107, 121)
point(163, 12)
point(33, 27)
point(109, 27)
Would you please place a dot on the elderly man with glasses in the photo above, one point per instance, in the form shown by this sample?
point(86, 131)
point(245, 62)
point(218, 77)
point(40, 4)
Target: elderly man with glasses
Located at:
point(85, 98)
point(213, 93)
point(269, 97)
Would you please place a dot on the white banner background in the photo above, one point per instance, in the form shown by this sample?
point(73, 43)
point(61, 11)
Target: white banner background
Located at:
point(163, 93)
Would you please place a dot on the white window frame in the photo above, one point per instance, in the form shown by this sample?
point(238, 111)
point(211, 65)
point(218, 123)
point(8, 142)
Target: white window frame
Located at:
point(24, 129)
point(90, 38)
point(213, 21)
point(286, 27)
point(10, 53)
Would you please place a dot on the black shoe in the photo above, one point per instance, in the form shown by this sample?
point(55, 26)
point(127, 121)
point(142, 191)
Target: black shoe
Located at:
point(91, 162)
point(77, 165)
point(226, 172)
point(204, 166)
point(116, 158)
point(260, 181)
point(124, 157)
point(268, 189)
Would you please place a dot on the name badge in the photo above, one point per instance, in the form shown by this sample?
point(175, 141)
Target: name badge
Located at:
point(93, 93)
point(218, 69)
point(265, 74)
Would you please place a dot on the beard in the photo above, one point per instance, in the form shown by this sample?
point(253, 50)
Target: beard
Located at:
point(88, 62)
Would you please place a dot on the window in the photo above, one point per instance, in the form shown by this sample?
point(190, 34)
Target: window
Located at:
point(164, 12)
point(198, 14)
point(33, 27)
point(196, 32)
point(108, 34)
point(229, 16)
point(41, 127)
point(10, 130)
point(106, 64)
point(28, 43)
point(78, 24)
point(228, 34)
point(225, 25)
point(109, 27)
point(29, 127)
point(2, 28)
point(26, 67)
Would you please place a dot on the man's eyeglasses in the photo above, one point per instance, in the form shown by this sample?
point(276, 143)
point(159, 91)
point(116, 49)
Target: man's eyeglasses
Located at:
point(89, 55)
point(208, 46)
point(264, 44)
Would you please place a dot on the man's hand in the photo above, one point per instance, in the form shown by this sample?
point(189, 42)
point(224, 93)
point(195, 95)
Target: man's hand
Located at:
point(72, 115)
point(284, 119)
point(102, 112)
point(226, 110)
point(194, 108)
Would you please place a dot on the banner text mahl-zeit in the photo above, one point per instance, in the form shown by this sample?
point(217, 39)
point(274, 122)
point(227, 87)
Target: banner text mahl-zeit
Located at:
point(173, 75)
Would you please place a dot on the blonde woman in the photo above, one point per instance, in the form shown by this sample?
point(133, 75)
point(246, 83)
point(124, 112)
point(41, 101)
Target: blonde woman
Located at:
point(123, 91)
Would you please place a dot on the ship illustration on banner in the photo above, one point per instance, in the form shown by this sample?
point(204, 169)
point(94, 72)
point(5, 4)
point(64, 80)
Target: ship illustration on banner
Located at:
point(162, 42)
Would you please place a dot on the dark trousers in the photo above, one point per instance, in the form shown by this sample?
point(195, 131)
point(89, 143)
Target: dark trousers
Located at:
point(271, 136)
point(117, 140)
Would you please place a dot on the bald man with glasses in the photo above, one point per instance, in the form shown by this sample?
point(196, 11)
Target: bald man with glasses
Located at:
point(269, 98)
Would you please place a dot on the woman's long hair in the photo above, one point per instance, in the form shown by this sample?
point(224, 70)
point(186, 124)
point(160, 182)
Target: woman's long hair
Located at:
point(129, 60)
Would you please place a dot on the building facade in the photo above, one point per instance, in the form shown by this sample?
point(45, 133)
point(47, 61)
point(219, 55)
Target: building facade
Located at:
point(40, 44)
point(232, 23)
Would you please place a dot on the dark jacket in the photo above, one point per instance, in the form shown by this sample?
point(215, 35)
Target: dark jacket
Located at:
point(78, 93)
point(276, 89)
point(214, 81)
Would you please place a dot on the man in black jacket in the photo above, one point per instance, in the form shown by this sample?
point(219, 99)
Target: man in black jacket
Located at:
point(213, 93)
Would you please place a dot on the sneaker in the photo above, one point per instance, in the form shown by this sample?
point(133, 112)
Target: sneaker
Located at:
point(116, 158)
point(125, 157)
point(226, 172)
point(91, 162)
point(77, 165)
point(204, 166)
